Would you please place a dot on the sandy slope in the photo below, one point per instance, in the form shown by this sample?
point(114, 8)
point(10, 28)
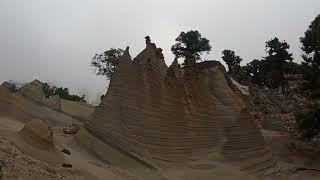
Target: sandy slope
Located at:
point(78, 110)
point(10, 124)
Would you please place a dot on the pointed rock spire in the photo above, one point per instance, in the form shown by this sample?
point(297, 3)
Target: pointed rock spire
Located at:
point(174, 68)
point(126, 55)
point(126, 51)
point(33, 90)
point(175, 62)
point(148, 40)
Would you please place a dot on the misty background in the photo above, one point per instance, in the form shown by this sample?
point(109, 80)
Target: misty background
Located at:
point(54, 41)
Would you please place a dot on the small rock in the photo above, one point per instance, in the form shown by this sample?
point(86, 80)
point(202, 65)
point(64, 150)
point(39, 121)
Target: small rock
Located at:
point(72, 129)
point(66, 165)
point(66, 151)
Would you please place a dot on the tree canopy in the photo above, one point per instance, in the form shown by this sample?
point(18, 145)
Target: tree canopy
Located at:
point(62, 92)
point(190, 45)
point(232, 61)
point(106, 62)
point(309, 121)
point(276, 59)
point(311, 44)
point(266, 72)
point(311, 47)
point(256, 72)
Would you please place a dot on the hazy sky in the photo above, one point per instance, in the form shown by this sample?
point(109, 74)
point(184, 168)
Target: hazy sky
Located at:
point(53, 40)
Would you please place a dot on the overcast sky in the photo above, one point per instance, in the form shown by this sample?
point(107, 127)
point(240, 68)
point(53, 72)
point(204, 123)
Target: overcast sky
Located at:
point(53, 40)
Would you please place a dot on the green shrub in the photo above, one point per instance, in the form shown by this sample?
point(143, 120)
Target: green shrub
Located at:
point(62, 92)
point(309, 121)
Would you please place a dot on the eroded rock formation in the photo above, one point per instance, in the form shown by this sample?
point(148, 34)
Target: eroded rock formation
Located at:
point(33, 90)
point(169, 117)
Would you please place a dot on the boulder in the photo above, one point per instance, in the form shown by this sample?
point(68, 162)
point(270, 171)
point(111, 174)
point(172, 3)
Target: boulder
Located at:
point(66, 165)
point(38, 130)
point(36, 140)
point(72, 129)
point(66, 151)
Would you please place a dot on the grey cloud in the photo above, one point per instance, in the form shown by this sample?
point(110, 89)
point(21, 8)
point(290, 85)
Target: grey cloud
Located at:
point(54, 40)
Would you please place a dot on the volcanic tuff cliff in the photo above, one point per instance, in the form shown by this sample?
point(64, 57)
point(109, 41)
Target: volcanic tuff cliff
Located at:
point(177, 116)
